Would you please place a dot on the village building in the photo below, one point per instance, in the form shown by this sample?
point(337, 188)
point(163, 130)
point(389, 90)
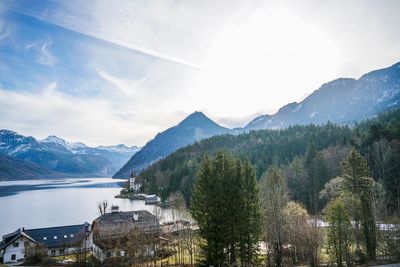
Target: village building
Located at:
point(151, 199)
point(62, 240)
point(115, 234)
point(178, 227)
point(135, 183)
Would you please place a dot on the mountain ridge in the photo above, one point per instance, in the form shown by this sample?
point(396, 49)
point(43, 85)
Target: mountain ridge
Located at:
point(382, 85)
point(55, 157)
point(194, 127)
point(341, 101)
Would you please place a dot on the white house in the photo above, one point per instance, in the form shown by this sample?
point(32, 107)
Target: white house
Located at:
point(61, 240)
point(134, 182)
point(15, 245)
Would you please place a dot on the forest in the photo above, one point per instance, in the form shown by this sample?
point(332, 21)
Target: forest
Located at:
point(237, 216)
point(310, 158)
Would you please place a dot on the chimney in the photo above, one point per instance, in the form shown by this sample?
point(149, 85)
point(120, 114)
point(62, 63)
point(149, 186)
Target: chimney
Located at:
point(135, 216)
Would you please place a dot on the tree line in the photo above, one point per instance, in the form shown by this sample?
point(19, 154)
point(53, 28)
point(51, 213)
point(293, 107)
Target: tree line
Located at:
point(237, 215)
point(308, 156)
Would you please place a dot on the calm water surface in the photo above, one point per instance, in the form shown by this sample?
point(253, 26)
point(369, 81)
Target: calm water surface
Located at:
point(47, 203)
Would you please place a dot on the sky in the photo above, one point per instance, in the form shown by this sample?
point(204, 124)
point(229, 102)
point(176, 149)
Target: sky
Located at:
point(108, 72)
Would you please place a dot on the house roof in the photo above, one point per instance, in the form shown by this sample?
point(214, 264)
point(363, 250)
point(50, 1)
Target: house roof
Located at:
point(59, 236)
point(10, 238)
point(117, 224)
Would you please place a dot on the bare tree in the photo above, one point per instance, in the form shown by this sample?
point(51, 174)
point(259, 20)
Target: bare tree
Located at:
point(274, 200)
point(314, 239)
point(297, 223)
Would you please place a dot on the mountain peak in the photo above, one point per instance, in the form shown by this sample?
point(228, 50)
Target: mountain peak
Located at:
point(54, 139)
point(194, 127)
point(197, 119)
point(197, 114)
point(7, 132)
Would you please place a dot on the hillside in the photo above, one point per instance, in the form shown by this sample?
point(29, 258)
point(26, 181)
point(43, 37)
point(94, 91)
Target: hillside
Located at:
point(15, 169)
point(193, 128)
point(286, 148)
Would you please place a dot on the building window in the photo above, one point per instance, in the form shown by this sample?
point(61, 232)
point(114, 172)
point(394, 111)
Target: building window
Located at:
point(13, 257)
point(16, 244)
point(53, 252)
point(61, 251)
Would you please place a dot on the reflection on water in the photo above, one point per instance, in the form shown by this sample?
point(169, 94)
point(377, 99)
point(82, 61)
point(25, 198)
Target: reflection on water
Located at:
point(45, 203)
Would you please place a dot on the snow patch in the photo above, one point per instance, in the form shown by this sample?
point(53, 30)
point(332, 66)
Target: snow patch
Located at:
point(297, 108)
point(312, 114)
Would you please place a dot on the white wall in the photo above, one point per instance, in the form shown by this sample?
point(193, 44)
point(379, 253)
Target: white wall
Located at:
point(98, 253)
point(18, 251)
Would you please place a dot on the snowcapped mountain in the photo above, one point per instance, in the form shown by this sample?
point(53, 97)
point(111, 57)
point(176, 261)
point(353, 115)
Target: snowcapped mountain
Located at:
point(54, 139)
point(12, 142)
point(121, 148)
point(61, 158)
point(193, 128)
point(340, 101)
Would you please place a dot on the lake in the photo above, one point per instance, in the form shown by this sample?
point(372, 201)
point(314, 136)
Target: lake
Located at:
point(47, 203)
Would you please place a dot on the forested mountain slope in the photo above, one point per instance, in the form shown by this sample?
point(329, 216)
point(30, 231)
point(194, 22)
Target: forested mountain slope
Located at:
point(193, 128)
point(298, 150)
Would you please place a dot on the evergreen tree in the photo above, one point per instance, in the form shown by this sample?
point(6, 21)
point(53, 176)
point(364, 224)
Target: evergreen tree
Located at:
point(225, 204)
point(250, 215)
point(317, 176)
point(391, 177)
point(358, 183)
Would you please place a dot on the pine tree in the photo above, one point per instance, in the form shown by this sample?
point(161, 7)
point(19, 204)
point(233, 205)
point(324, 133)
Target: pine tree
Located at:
point(225, 204)
point(250, 215)
point(358, 183)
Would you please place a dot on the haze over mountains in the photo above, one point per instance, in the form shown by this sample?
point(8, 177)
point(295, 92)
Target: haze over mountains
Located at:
point(340, 101)
point(27, 158)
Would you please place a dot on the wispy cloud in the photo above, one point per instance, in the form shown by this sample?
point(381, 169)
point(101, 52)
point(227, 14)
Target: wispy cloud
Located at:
point(5, 30)
point(177, 31)
point(42, 49)
point(127, 87)
point(91, 120)
point(122, 71)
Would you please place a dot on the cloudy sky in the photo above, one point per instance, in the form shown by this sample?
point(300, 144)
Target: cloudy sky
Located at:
point(109, 72)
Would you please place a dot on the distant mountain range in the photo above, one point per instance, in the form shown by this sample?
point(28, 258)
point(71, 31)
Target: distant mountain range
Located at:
point(340, 101)
point(194, 128)
point(26, 157)
point(17, 169)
